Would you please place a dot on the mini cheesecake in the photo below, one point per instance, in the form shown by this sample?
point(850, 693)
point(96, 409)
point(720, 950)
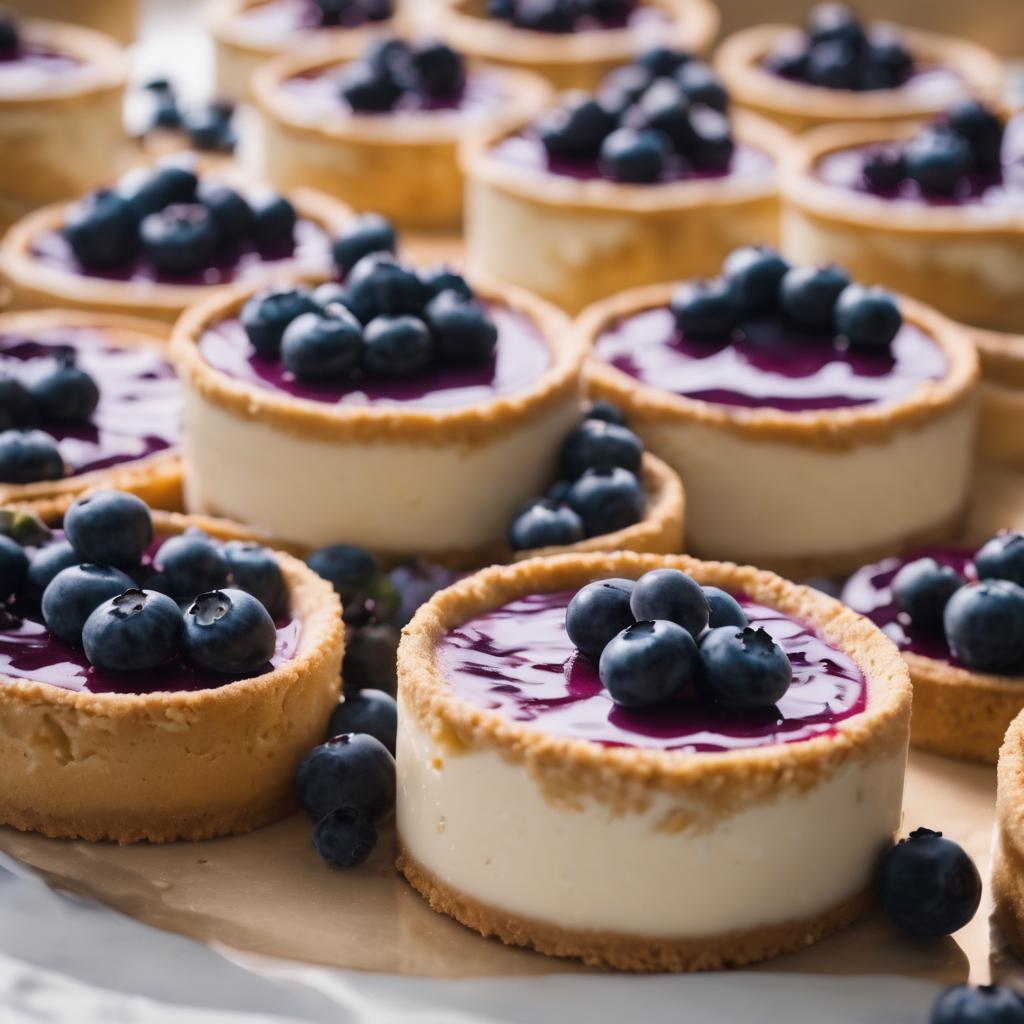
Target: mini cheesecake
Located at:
point(130, 440)
point(247, 33)
point(401, 161)
point(532, 808)
point(579, 57)
point(175, 753)
point(61, 93)
point(1008, 854)
point(115, 18)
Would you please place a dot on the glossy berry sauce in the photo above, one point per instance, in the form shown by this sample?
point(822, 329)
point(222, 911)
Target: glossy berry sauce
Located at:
point(32, 68)
point(519, 662)
point(520, 357)
point(269, 21)
point(139, 412)
point(869, 592)
point(768, 365)
point(28, 651)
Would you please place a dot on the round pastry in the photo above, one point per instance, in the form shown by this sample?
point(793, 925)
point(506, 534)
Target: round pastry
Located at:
point(164, 239)
point(412, 423)
point(101, 400)
point(839, 70)
point(966, 693)
point(575, 50)
point(115, 18)
point(803, 447)
point(246, 33)
point(61, 93)
point(575, 208)
point(382, 132)
point(535, 806)
point(204, 740)
point(1008, 852)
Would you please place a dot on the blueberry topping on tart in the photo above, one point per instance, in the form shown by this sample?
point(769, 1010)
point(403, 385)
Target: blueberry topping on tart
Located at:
point(595, 444)
point(345, 837)
point(268, 313)
point(649, 663)
point(230, 632)
point(367, 234)
point(66, 393)
point(706, 308)
point(136, 631)
point(10, 40)
point(984, 623)
point(545, 523)
point(671, 595)
point(351, 770)
point(180, 238)
point(634, 156)
point(743, 668)
point(254, 569)
point(151, 190)
point(724, 609)
point(274, 220)
point(13, 567)
point(191, 564)
point(16, 406)
point(755, 275)
point(102, 229)
point(982, 1004)
point(371, 712)
point(1002, 557)
point(937, 159)
point(562, 16)
point(598, 612)
point(923, 588)
point(29, 456)
point(47, 562)
point(867, 317)
point(380, 285)
point(75, 593)
point(808, 295)
point(352, 13)
point(229, 209)
point(464, 331)
point(396, 346)
point(599, 409)
point(207, 127)
point(109, 528)
point(327, 345)
point(607, 500)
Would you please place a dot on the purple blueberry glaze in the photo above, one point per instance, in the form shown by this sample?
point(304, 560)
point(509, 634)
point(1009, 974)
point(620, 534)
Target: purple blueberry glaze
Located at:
point(638, 15)
point(520, 357)
point(527, 152)
point(270, 21)
point(932, 84)
point(139, 413)
point(238, 261)
point(519, 662)
point(31, 69)
point(869, 592)
point(767, 365)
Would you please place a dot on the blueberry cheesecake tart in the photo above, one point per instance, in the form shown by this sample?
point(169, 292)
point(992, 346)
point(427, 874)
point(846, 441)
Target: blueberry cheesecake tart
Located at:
point(414, 404)
point(648, 763)
point(840, 69)
point(161, 676)
point(164, 237)
point(247, 33)
point(957, 616)
point(86, 400)
point(1008, 849)
point(574, 43)
point(813, 419)
point(649, 178)
point(61, 91)
point(382, 131)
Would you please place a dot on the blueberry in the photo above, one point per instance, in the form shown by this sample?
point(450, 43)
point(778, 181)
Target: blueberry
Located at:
point(661, 61)
point(577, 127)
point(16, 406)
point(755, 274)
point(378, 10)
point(443, 278)
point(209, 131)
point(388, 55)
point(986, 1004)
point(623, 87)
point(713, 144)
point(29, 456)
point(319, 346)
point(884, 168)
point(545, 15)
point(928, 886)
point(439, 70)
point(889, 63)
point(133, 632)
point(396, 346)
point(599, 409)
point(9, 39)
point(937, 160)
point(597, 612)
point(664, 108)
point(274, 220)
point(607, 500)
point(191, 564)
point(347, 771)
point(833, 64)
point(368, 90)
point(47, 562)
point(835, 22)
point(416, 582)
point(984, 623)
point(350, 570)
point(229, 631)
point(362, 236)
point(102, 229)
point(109, 528)
point(501, 10)
point(808, 295)
point(229, 209)
point(381, 286)
point(544, 524)
point(634, 156)
point(649, 663)
point(255, 570)
point(345, 837)
point(371, 712)
point(672, 595)
point(463, 331)
point(378, 602)
point(165, 113)
point(743, 668)
point(705, 309)
point(66, 394)
point(75, 593)
point(789, 60)
point(724, 609)
point(371, 653)
point(13, 567)
point(149, 191)
point(922, 589)
point(1002, 557)
point(596, 444)
point(700, 84)
point(983, 131)
point(330, 293)
point(266, 315)
point(867, 317)
point(179, 239)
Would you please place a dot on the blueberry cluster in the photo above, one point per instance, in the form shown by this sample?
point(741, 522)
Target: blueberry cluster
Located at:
point(392, 69)
point(353, 12)
point(966, 140)
point(599, 490)
point(757, 282)
point(664, 637)
point(98, 590)
point(666, 112)
point(208, 127)
point(837, 51)
point(175, 221)
point(10, 38)
point(982, 620)
point(63, 395)
point(560, 15)
point(386, 320)
point(981, 1004)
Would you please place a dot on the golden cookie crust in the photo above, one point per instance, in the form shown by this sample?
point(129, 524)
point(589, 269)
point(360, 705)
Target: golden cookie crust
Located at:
point(1008, 852)
point(156, 478)
point(798, 107)
point(165, 766)
point(115, 18)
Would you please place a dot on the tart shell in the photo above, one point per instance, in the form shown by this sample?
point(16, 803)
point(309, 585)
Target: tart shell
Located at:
point(1008, 853)
point(165, 766)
